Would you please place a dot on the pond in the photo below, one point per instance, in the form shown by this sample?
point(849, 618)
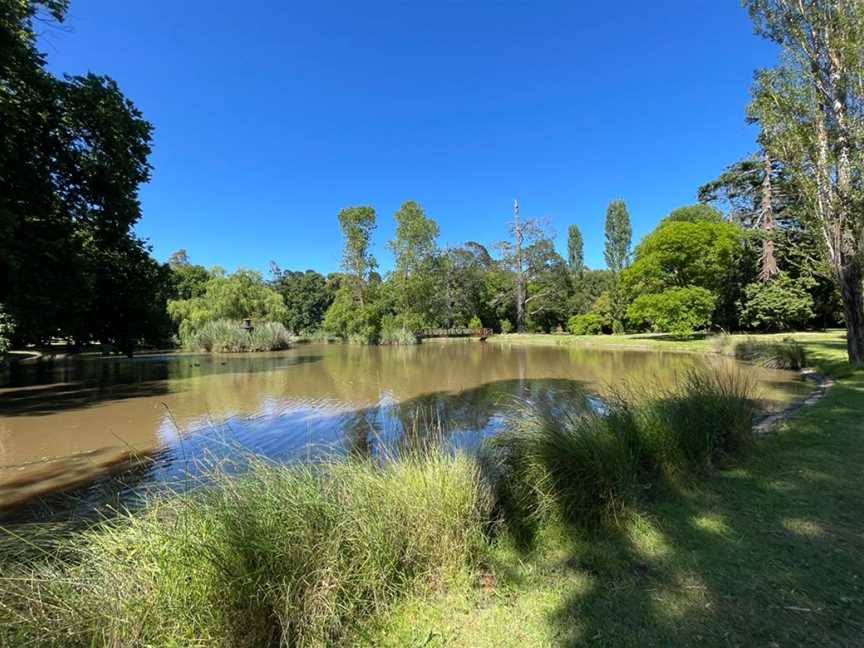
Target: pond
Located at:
point(154, 419)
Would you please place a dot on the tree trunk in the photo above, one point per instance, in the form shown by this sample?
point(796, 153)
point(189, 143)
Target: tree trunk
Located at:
point(767, 261)
point(852, 293)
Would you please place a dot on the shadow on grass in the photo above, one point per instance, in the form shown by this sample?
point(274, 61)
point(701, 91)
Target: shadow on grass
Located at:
point(771, 553)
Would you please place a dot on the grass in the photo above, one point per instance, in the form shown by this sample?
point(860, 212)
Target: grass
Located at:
point(767, 552)
point(291, 556)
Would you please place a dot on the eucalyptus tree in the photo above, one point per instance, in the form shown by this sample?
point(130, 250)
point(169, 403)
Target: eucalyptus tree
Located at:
point(515, 258)
point(418, 267)
point(810, 110)
point(357, 224)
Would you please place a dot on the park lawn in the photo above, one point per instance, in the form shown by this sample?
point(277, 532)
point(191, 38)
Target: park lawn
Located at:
point(769, 552)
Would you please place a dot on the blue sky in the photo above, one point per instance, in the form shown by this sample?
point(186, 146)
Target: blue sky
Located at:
point(271, 116)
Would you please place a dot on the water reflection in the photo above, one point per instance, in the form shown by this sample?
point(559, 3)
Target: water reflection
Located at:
point(63, 424)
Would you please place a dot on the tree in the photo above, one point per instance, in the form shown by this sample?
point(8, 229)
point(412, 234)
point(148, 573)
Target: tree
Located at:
point(779, 304)
point(575, 253)
point(682, 254)
point(617, 253)
point(307, 296)
point(416, 276)
point(357, 224)
point(524, 233)
point(694, 214)
point(73, 152)
point(809, 112)
point(243, 294)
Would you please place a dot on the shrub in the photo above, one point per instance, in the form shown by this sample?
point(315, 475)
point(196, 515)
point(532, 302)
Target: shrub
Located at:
point(587, 324)
point(475, 323)
point(227, 336)
point(780, 304)
point(506, 326)
point(399, 330)
point(292, 556)
point(786, 354)
point(679, 311)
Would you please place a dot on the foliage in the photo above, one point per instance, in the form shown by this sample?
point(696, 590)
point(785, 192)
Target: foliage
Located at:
point(358, 323)
point(399, 330)
point(475, 323)
point(416, 277)
point(228, 336)
point(505, 326)
point(307, 296)
point(189, 280)
point(284, 555)
point(679, 311)
point(357, 224)
point(587, 288)
point(618, 236)
point(780, 304)
point(7, 328)
point(237, 296)
point(694, 214)
point(586, 324)
point(73, 152)
point(575, 252)
point(809, 113)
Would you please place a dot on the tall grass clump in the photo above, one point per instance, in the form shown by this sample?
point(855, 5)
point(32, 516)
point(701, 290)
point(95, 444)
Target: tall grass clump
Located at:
point(785, 354)
point(281, 556)
point(577, 463)
point(227, 336)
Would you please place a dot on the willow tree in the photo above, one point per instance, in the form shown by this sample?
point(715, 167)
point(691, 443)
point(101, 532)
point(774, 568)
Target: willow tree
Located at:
point(810, 109)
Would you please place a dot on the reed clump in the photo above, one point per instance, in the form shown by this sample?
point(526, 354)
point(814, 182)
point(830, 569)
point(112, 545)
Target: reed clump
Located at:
point(228, 336)
point(576, 463)
point(783, 354)
point(291, 556)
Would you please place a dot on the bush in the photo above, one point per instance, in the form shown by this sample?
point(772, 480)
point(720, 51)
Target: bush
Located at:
point(475, 323)
point(291, 556)
point(587, 324)
point(399, 330)
point(574, 462)
point(227, 336)
point(679, 311)
point(787, 354)
point(506, 326)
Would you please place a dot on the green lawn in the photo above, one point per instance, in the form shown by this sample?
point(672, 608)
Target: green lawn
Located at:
point(768, 553)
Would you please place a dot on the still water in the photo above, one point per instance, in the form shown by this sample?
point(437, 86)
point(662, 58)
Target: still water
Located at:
point(66, 423)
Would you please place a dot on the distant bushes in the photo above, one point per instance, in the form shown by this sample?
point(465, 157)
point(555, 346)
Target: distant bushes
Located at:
point(7, 328)
point(289, 556)
point(576, 463)
point(228, 336)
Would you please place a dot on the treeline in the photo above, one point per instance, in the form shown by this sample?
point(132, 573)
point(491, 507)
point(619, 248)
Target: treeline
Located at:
point(697, 270)
point(787, 235)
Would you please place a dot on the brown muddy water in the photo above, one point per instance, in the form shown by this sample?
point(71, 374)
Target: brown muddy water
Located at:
point(156, 419)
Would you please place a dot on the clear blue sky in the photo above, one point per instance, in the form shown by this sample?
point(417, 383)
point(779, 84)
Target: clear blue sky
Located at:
point(271, 116)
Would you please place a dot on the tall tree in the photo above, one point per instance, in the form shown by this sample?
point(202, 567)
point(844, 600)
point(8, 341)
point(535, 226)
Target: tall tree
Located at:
point(523, 234)
point(809, 109)
point(73, 152)
point(357, 224)
point(575, 253)
point(619, 234)
point(416, 276)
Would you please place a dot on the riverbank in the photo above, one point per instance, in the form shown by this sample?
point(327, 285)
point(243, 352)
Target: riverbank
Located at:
point(770, 552)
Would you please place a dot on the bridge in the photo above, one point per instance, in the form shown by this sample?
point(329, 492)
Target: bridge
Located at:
point(481, 333)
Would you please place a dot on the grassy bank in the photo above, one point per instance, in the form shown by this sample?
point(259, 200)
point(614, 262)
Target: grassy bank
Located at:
point(655, 521)
point(767, 552)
